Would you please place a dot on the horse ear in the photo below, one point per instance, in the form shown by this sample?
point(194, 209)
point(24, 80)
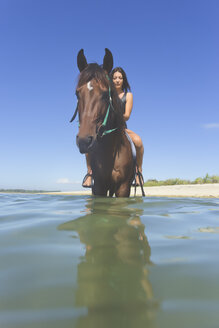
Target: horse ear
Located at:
point(81, 60)
point(108, 61)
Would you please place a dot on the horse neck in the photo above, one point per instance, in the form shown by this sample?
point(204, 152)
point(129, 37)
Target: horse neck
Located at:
point(109, 144)
point(107, 149)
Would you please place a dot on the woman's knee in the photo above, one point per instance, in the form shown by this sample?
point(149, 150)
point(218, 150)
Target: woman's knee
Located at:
point(137, 141)
point(135, 138)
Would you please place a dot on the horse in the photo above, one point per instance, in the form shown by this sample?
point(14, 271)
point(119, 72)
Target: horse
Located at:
point(102, 129)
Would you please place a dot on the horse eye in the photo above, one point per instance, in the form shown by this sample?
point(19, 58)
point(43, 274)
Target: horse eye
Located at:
point(99, 119)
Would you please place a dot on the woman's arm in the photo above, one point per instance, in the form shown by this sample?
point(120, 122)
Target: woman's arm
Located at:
point(128, 106)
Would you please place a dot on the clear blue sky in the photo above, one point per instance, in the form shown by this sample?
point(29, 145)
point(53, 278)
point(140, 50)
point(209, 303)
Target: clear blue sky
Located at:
point(169, 50)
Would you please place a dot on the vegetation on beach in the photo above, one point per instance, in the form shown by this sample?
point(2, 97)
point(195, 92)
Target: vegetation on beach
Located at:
point(177, 181)
point(149, 183)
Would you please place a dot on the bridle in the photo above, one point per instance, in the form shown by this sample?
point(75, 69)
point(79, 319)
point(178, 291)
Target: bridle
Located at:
point(101, 131)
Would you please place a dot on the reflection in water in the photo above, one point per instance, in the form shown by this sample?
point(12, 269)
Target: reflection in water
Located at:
point(112, 277)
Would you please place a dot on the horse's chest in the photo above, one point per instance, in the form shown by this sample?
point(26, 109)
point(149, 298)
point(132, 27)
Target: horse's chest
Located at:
point(110, 166)
point(116, 175)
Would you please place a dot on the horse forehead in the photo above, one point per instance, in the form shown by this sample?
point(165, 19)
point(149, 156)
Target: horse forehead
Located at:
point(89, 86)
point(93, 86)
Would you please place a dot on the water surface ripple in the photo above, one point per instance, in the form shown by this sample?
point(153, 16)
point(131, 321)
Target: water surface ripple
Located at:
point(79, 261)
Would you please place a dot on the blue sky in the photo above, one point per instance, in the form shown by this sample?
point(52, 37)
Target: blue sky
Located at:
point(169, 50)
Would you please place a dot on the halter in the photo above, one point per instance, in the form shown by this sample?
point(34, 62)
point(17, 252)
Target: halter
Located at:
point(102, 129)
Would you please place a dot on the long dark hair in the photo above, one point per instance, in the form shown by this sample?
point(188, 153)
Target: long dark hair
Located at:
point(125, 85)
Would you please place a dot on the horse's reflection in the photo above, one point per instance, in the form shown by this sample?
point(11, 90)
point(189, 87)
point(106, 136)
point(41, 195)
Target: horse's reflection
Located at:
point(113, 274)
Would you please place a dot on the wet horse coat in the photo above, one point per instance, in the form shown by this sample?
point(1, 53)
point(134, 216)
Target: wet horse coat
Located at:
point(102, 129)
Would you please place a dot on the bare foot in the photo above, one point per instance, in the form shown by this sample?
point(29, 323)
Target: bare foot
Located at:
point(87, 182)
point(138, 179)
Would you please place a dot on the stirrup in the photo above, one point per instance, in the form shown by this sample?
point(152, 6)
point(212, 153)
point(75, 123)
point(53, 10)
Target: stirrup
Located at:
point(141, 182)
point(85, 178)
point(140, 177)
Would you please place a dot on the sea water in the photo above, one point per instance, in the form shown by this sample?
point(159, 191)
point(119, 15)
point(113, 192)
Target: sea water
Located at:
point(79, 261)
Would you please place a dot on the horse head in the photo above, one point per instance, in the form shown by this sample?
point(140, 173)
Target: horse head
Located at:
point(94, 100)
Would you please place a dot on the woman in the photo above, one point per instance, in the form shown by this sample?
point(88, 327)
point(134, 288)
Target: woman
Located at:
point(122, 86)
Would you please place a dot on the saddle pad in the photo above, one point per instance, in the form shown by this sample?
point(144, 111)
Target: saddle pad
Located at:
point(133, 149)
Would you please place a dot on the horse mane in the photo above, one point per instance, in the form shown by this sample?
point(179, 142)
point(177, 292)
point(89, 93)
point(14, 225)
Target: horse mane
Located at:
point(95, 71)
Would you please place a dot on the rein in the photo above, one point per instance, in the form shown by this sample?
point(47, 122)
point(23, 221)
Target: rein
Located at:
point(102, 129)
point(74, 115)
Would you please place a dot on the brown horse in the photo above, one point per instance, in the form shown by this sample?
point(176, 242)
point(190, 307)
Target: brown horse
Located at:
point(102, 129)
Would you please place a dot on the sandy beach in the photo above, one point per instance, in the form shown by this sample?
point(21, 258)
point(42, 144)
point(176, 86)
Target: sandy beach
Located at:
point(195, 190)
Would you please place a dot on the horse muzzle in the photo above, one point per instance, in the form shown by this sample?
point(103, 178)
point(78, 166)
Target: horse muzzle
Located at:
point(85, 144)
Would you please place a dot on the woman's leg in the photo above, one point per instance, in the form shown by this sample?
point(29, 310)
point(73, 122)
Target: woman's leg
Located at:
point(139, 150)
point(88, 181)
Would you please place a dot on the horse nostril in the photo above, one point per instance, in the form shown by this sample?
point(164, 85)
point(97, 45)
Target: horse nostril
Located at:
point(84, 144)
point(89, 140)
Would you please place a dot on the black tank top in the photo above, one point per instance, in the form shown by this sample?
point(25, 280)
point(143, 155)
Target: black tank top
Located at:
point(123, 100)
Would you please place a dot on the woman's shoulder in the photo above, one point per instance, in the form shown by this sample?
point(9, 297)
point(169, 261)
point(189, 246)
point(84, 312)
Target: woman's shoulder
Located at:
point(129, 95)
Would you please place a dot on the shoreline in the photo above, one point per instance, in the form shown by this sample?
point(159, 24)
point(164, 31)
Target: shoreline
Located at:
point(208, 190)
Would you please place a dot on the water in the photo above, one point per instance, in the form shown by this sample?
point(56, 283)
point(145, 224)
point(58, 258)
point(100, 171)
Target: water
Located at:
point(75, 261)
